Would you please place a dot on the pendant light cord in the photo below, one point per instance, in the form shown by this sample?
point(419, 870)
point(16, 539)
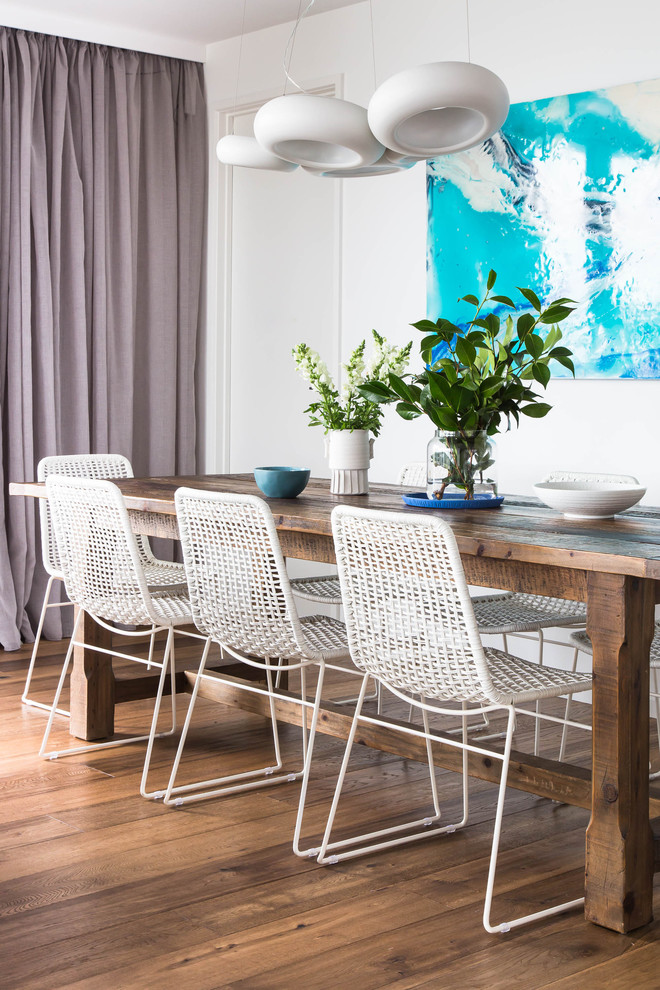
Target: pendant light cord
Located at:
point(288, 51)
point(373, 43)
point(238, 67)
point(467, 22)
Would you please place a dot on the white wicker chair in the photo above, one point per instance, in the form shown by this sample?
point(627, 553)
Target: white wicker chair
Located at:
point(241, 598)
point(501, 614)
point(325, 590)
point(413, 474)
point(104, 576)
point(505, 613)
point(411, 625)
point(582, 644)
point(159, 573)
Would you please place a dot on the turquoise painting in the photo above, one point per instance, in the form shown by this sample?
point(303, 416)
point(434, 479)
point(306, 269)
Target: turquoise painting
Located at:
point(566, 200)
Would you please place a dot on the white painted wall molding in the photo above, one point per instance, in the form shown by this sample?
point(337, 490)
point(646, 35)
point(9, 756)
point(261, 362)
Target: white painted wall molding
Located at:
point(225, 374)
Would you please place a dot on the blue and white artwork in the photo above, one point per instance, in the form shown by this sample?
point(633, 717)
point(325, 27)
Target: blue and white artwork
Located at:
point(564, 200)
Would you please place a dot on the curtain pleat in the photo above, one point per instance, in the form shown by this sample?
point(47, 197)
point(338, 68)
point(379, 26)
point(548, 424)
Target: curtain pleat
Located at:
point(102, 209)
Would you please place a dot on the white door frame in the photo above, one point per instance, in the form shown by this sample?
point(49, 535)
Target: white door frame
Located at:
point(215, 380)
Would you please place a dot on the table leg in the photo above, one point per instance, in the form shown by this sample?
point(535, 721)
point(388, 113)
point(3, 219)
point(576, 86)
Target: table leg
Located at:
point(619, 849)
point(92, 685)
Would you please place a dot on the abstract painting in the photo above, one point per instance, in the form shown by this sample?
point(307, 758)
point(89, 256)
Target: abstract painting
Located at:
point(564, 200)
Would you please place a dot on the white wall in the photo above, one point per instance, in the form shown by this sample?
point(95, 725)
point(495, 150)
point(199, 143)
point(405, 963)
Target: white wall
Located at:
point(539, 50)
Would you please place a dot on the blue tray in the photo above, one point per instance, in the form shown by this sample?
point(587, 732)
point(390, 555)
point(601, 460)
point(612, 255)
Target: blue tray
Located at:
point(420, 500)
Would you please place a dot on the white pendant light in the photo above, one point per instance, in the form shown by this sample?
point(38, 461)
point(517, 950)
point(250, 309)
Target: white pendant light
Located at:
point(318, 132)
point(403, 161)
point(438, 108)
point(236, 149)
point(243, 150)
point(387, 164)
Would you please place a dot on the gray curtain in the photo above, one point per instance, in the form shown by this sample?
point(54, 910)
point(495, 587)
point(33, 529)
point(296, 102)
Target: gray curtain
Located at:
point(102, 209)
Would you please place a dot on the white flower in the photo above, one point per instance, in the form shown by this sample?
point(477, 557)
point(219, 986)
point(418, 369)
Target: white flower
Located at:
point(354, 369)
point(351, 410)
point(311, 367)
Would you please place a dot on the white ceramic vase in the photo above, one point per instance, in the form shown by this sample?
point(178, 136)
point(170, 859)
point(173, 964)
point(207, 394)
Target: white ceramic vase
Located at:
point(349, 453)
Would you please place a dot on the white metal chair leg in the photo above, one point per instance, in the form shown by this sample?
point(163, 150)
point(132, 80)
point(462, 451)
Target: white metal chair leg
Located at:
point(429, 757)
point(466, 778)
point(537, 726)
point(312, 851)
point(303, 698)
point(273, 718)
point(151, 662)
point(233, 783)
point(173, 681)
point(655, 694)
point(152, 643)
point(348, 845)
point(567, 711)
point(325, 843)
point(25, 699)
point(168, 660)
point(60, 685)
point(497, 831)
point(186, 724)
point(113, 744)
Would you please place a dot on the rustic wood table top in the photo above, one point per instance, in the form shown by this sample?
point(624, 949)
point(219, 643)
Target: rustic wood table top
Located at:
point(627, 544)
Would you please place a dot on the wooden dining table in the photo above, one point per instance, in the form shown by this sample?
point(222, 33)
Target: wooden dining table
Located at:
point(611, 564)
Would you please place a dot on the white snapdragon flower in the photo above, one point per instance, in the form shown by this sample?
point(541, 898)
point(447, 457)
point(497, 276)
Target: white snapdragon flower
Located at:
point(399, 359)
point(311, 367)
point(324, 374)
point(354, 371)
point(379, 364)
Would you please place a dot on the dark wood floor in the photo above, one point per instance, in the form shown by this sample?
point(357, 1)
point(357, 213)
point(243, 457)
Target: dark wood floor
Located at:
point(102, 890)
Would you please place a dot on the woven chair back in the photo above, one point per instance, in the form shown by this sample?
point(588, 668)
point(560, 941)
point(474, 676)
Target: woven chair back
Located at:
point(73, 466)
point(408, 612)
point(239, 589)
point(413, 474)
point(99, 555)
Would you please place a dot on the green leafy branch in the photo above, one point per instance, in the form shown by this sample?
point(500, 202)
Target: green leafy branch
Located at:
point(485, 371)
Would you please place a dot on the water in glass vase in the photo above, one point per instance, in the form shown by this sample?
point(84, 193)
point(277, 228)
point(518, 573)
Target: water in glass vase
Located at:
point(460, 465)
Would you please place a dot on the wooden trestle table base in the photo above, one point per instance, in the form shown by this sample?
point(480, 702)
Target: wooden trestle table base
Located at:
point(612, 564)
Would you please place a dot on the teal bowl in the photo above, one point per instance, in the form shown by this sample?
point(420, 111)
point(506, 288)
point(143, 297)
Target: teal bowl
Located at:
point(281, 482)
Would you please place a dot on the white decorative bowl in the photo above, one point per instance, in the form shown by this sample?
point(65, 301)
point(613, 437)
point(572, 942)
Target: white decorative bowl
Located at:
point(588, 499)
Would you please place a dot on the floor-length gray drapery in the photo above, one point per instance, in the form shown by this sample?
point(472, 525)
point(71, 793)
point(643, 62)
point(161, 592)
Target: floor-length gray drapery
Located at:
point(102, 204)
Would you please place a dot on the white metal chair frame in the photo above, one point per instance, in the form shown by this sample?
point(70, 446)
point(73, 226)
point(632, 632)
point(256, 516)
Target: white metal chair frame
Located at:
point(100, 466)
point(411, 625)
point(104, 576)
point(580, 640)
point(572, 613)
point(241, 599)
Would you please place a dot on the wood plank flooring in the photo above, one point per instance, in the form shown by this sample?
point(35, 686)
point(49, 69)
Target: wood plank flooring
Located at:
point(101, 890)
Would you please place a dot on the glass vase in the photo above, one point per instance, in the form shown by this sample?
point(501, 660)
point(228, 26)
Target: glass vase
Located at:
point(460, 465)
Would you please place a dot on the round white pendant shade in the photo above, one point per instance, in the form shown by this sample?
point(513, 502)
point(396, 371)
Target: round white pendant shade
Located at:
point(403, 161)
point(438, 108)
point(387, 164)
point(319, 132)
point(238, 149)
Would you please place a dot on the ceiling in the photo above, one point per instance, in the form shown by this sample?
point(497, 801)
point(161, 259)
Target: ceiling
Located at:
point(199, 21)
